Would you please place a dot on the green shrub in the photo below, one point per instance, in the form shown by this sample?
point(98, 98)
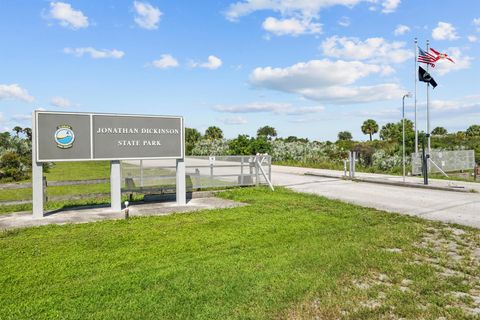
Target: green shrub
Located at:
point(12, 168)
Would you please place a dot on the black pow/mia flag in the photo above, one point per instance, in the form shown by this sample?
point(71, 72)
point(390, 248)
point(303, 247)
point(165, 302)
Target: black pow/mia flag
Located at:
point(424, 76)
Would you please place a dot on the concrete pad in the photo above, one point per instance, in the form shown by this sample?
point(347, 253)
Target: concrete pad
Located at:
point(84, 215)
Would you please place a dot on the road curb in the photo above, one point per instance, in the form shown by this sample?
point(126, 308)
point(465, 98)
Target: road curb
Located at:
point(394, 183)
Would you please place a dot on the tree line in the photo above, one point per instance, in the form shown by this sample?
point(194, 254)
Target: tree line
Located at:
point(16, 153)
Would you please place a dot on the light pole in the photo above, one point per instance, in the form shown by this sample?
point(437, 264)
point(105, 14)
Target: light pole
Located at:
point(408, 95)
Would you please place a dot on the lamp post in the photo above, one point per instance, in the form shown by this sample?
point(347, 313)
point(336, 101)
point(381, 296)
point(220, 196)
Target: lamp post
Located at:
point(408, 95)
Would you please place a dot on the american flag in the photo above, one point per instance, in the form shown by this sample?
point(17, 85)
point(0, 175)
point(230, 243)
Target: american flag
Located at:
point(425, 57)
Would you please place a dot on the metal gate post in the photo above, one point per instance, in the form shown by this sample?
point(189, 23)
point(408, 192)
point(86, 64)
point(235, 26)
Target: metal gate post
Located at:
point(354, 158)
point(269, 159)
point(350, 164)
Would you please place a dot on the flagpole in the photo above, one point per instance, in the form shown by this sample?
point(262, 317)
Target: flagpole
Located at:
point(428, 106)
point(415, 74)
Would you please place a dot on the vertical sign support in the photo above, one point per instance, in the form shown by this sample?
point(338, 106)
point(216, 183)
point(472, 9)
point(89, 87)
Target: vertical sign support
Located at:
point(37, 175)
point(181, 189)
point(115, 186)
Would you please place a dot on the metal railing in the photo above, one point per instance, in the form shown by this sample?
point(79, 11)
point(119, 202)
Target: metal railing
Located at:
point(158, 176)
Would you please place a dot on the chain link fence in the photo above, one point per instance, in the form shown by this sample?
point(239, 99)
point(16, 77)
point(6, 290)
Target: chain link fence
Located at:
point(448, 161)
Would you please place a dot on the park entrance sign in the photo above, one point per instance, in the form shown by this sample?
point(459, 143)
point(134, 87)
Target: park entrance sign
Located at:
point(91, 136)
point(68, 136)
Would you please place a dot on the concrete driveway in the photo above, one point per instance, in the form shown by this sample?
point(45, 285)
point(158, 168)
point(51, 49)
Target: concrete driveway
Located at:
point(445, 206)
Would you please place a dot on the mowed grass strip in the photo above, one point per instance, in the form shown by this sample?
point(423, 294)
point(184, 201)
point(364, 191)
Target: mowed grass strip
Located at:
point(26, 194)
point(255, 262)
point(87, 170)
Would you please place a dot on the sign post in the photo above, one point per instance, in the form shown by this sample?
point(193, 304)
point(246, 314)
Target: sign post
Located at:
point(181, 191)
point(68, 136)
point(115, 186)
point(37, 179)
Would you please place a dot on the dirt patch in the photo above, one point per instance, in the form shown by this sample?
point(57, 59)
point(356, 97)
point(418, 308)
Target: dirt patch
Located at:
point(454, 254)
point(442, 281)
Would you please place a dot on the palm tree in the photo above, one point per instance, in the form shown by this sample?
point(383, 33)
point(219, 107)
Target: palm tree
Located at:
point(213, 133)
point(370, 127)
point(28, 133)
point(267, 131)
point(17, 130)
point(439, 131)
point(473, 131)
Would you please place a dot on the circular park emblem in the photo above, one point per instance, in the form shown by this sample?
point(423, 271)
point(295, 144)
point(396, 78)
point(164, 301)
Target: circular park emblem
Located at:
point(64, 136)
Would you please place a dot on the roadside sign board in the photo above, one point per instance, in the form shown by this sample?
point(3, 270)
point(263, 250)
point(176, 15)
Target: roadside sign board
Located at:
point(67, 136)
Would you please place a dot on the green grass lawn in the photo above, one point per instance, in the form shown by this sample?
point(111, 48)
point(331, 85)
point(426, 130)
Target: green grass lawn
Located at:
point(86, 170)
point(286, 255)
point(26, 193)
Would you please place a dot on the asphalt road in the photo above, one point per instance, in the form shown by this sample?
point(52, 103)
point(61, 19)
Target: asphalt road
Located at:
point(445, 206)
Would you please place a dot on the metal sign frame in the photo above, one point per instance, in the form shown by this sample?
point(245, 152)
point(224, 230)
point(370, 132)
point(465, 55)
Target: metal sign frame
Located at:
point(92, 114)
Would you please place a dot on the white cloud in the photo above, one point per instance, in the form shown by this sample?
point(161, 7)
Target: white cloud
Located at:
point(22, 117)
point(351, 95)
point(472, 38)
point(344, 21)
point(296, 17)
point(94, 53)
point(443, 109)
point(372, 49)
point(476, 23)
point(60, 102)
point(401, 30)
point(14, 91)
point(390, 6)
point(67, 16)
point(268, 107)
point(166, 61)
point(444, 31)
point(461, 62)
point(291, 26)
point(212, 63)
point(383, 113)
point(304, 120)
point(3, 122)
point(465, 105)
point(233, 120)
point(147, 16)
point(325, 80)
point(254, 107)
point(303, 8)
point(305, 110)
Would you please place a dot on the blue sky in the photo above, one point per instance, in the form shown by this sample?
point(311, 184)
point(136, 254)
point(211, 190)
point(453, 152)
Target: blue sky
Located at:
point(309, 68)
